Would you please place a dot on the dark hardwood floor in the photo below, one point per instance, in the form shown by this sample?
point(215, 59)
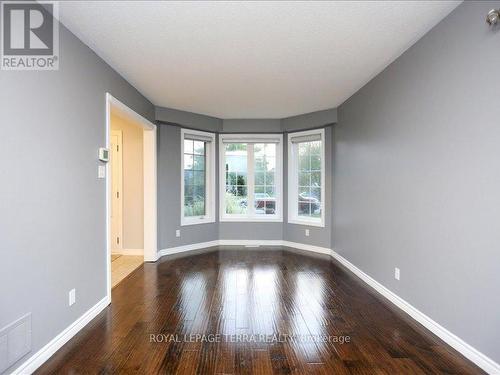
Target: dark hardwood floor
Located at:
point(246, 297)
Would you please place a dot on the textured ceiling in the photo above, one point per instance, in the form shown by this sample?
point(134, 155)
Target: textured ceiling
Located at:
point(250, 59)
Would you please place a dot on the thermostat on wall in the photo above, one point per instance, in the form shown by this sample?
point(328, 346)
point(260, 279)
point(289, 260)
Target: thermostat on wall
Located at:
point(103, 154)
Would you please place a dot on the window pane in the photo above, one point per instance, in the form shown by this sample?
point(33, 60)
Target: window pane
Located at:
point(265, 170)
point(231, 178)
point(304, 178)
point(199, 163)
point(199, 148)
point(259, 149)
point(315, 163)
point(270, 163)
point(188, 161)
point(236, 163)
point(309, 179)
point(188, 146)
point(199, 193)
point(316, 202)
point(270, 191)
point(236, 196)
point(241, 178)
point(188, 192)
point(260, 164)
point(316, 179)
point(315, 147)
point(259, 178)
point(194, 178)
point(270, 178)
point(236, 199)
point(199, 178)
point(271, 207)
point(188, 177)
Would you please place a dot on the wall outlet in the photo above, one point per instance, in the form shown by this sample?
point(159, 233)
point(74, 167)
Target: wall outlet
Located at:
point(72, 297)
point(178, 233)
point(307, 232)
point(396, 273)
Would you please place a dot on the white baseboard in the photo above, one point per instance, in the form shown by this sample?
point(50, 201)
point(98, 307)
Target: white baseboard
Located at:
point(250, 243)
point(302, 246)
point(36, 360)
point(474, 355)
point(184, 248)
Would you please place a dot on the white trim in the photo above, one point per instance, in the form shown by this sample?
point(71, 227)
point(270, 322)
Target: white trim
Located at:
point(471, 353)
point(210, 168)
point(306, 223)
point(150, 183)
point(118, 165)
point(251, 216)
point(150, 241)
point(41, 356)
point(306, 247)
point(253, 243)
point(244, 219)
point(128, 252)
point(474, 355)
point(184, 248)
point(293, 217)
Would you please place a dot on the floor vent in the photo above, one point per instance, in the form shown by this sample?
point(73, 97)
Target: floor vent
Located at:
point(252, 245)
point(15, 341)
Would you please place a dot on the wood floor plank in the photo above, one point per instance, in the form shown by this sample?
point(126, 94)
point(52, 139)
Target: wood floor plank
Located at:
point(262, 311)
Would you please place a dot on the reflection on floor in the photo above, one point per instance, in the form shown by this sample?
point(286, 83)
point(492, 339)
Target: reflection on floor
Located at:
point(266, 311)
point(122, 266)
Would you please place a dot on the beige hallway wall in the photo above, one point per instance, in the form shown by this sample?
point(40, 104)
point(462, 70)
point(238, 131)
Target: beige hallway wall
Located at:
point(133, 185)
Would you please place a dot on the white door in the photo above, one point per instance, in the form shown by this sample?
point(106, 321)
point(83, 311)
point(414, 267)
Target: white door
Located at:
point(116, 191)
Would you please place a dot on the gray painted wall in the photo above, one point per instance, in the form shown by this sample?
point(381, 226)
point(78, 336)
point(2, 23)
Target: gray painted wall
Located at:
point(169, 186)
point(318, 236)
point(251, 125)
point(188, 119)
point(202, 122)
point(417, 177)
point(169, 195)
point(310, 120)
point(52, 224)
point(169, 175)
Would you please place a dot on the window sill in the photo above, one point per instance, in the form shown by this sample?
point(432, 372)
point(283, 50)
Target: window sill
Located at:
point(188, 222)
point(250, 220)
point(308, 223)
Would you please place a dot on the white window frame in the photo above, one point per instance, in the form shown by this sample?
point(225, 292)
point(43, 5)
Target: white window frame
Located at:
point(293, 188)
point(251, 216)
point(210, 165)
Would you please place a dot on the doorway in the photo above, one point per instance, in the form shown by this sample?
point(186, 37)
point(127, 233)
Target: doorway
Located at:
point(131, 191)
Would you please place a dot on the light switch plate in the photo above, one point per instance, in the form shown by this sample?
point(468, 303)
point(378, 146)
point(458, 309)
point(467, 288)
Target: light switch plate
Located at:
point(101, 171)
point(307, 232)
point(72, 297)
point(178, 233)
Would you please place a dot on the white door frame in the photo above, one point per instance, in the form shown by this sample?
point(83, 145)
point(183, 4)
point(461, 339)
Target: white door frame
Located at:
point(150, 180)
point(119, 219)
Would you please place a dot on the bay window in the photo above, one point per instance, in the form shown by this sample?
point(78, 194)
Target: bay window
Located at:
point(250, 177)
point(306, 177)
point(198, 179)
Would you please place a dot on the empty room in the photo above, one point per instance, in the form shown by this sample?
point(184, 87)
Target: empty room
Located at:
point(250, 187)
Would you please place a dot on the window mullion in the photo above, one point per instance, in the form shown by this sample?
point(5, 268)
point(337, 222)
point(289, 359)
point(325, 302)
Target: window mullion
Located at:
point(250, 180)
